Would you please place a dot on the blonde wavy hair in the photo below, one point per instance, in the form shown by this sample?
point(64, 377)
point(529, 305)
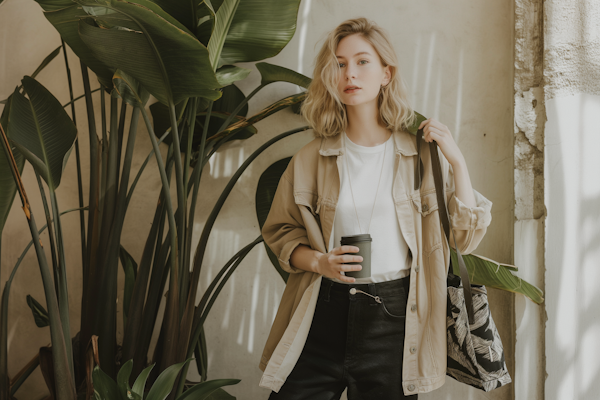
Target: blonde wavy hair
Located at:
point(324, 110)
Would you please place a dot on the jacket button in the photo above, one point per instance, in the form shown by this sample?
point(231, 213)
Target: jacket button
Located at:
point(417, 268)
point(413, 350)
point(411, 388)
point(425, 207)
point(413, 307)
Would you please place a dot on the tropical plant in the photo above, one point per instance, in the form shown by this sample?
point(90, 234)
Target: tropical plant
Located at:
point(184, 55)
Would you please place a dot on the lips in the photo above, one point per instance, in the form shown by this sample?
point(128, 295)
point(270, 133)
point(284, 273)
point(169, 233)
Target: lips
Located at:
point(351, 89)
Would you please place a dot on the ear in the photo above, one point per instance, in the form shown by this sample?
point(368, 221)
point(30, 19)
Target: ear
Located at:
point(387, 75)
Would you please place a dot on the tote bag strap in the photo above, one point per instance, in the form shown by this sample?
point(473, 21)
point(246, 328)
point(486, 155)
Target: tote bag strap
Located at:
point(444, 218)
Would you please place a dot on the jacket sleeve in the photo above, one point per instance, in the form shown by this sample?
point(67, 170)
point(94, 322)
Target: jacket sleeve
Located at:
point(284, 230)
point(469, 223)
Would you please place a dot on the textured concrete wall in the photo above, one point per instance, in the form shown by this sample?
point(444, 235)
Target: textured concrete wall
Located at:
point(457, 58)
point(529, 119)
point(572, 83)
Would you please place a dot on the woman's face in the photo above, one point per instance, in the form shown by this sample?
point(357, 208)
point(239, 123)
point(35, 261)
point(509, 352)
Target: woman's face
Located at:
point(361, 72)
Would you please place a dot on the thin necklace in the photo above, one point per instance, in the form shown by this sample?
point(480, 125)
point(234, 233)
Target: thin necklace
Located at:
point(352, 191)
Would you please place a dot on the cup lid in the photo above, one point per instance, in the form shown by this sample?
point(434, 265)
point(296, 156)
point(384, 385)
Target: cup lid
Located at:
point(365, 237)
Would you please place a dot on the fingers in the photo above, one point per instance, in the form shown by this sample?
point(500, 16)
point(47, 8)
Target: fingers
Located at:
point(344, 250)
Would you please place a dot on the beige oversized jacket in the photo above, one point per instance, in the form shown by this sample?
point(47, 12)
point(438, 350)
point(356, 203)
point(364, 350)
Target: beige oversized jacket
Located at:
point(302, 213)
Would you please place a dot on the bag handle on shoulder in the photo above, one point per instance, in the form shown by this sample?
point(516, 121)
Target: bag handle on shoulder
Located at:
point(444, 217)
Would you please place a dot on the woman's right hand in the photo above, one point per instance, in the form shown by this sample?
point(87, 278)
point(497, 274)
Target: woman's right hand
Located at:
point(332, 264)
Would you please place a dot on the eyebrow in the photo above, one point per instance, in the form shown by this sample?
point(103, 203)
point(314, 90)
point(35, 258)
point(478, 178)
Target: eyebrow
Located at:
point(357, 54)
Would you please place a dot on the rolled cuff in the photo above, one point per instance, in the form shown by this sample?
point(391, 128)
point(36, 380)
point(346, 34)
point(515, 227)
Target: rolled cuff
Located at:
point(286, 253)
point(470, 218)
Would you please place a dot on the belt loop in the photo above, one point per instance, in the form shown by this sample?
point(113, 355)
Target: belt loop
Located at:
point(373, 291)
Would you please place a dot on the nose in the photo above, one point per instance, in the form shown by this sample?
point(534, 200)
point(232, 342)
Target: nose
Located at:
point(350, 72)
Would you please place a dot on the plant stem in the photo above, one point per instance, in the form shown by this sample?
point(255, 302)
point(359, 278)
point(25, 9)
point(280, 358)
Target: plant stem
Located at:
point(63, 291)
point(77, 159)
point(171, 314)
point(54, 258)
point(65, 385)
point(89, 265)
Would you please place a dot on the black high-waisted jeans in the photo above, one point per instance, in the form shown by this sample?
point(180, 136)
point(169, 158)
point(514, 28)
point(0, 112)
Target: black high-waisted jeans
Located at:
point(355, 341)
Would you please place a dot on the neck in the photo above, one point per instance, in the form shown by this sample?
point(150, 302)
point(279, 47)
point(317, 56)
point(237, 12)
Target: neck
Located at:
point(364, 127)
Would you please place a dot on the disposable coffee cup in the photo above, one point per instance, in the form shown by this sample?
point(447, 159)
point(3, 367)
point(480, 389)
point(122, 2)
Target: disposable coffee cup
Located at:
point(363, 242)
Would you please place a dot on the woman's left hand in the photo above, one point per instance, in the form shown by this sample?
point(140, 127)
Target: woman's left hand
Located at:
point(435, 130)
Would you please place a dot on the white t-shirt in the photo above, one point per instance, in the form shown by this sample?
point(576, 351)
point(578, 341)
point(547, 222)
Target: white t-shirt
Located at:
point(389, 251)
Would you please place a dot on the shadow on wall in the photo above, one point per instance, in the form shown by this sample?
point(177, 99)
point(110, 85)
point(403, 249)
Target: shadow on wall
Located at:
point(573, 247)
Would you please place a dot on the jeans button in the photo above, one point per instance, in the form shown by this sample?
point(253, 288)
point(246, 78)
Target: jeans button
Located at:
point(353, 291)
point(413, 349)
point(411, 388)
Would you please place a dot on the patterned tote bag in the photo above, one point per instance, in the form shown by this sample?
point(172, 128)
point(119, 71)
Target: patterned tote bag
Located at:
point(475, 352)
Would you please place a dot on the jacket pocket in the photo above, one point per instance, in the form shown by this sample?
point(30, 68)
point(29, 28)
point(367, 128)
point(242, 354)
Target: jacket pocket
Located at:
point(310, 200)
point(425, 204)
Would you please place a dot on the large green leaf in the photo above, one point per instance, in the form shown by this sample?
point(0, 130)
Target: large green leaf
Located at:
point(415, 126)
point(483, 271)
point(64, 15)
point(164, 383)
point(140, 382)
point(274, 73)
point(231, 98)
point(223, 19)
point(41, 130)
point(228, 74)
point(260, 29)
point(104, 387)
point(151, 46)
point(203, 390)
point(127, 88)
point(265, 193)
point(183, 11)
point(123, 378)
point(8, 187)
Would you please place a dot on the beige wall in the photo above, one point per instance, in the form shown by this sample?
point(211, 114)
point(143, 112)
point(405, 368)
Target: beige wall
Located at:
point(457, 59)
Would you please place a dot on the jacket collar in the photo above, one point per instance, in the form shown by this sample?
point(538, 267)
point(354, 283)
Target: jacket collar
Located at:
point(405, 143)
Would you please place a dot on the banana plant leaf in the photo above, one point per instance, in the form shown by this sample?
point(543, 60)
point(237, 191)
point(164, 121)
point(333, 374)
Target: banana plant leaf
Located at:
point(140, 382)
point(270, 73)
point(260, 29)
point(8, 187)
point(265, 192)
point(46, 61)
point(42, 131)
point(64, 15)
point(104, 387)
point(483, 271)
point(151, 46)
point(165, 381)
point(127, 88)
point(228, 74)
point(223, 19)
point(209, 390)
point(231, 98)
point(415, 126)
point(183, 11)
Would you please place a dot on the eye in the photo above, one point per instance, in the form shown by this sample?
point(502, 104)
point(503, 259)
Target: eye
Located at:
point(341, 65)
point(363, 62)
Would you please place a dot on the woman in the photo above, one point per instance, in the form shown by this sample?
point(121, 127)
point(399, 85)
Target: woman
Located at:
point(384, 336)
